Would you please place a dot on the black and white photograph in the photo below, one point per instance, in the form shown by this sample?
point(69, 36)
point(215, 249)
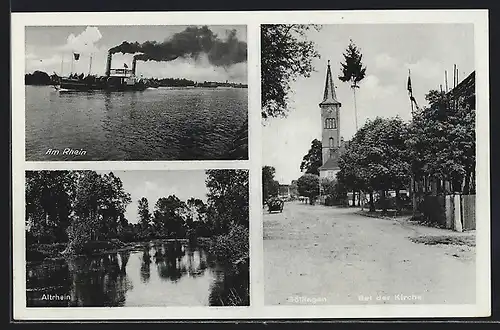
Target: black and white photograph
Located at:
point(369, 164)
point(137, 238)
point(236, 165)
point(136, 92)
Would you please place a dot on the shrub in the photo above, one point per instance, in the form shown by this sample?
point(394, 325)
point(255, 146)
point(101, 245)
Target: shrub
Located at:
point(392, 203)
point(232, 247)
point(78, 236)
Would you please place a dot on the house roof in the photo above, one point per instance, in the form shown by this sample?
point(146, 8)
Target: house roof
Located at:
point(329, 95)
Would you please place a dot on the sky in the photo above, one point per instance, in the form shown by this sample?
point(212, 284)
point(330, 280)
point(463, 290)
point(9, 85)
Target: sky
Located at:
point(156, 184)
point(48, 48)
point(388, 50)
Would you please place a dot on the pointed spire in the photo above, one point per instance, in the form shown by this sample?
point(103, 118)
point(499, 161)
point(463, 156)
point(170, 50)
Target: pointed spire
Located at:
point(329, 96)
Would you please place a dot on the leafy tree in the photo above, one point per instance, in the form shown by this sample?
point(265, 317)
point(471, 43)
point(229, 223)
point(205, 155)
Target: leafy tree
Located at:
point(377, 157)
point(168, 216)
point(270, 187)
point(196, 219)
point(285, 55)
point(37, 78)
point(114, 201)
point(100, 204)
point(334, 191)
point(227, 199)
point(228, 210)
point(145, 217)
point(49, 200)
point(312, 161)
point(353, 71)
point(442, 141)
point(308, 185)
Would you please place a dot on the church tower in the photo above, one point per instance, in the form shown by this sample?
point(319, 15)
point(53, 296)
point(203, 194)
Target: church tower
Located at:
point(330, 132)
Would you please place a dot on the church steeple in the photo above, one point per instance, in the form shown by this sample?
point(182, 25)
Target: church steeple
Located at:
point(330, 132)
point(329, 96)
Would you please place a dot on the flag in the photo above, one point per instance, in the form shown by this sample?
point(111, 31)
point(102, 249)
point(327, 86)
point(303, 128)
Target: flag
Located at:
point(125, 65)
point(77, 56)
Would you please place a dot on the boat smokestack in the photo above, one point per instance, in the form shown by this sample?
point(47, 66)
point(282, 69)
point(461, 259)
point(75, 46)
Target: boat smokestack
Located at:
point(134, 65)
point(108, 64)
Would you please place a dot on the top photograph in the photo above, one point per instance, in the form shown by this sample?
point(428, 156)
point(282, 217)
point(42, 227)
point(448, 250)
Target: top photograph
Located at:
point(114, 93)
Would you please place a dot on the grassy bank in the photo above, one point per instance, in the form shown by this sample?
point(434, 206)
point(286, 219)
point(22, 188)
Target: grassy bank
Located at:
point(40, 252)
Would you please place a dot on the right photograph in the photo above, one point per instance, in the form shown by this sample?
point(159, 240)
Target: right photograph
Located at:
point(369, 164)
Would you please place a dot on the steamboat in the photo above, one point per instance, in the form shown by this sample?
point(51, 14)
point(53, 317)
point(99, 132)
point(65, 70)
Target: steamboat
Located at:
point(114, 80)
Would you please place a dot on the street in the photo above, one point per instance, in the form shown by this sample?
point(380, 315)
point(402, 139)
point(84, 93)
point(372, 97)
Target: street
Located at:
point(330, 256)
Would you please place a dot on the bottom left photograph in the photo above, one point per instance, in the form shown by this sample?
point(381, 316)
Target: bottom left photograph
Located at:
point(137, 238)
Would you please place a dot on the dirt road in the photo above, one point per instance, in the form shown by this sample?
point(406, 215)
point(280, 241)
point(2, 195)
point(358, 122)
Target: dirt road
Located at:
point(328, 255)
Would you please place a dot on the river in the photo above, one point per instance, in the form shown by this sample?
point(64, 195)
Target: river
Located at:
point(149, 275)
point(155, 124)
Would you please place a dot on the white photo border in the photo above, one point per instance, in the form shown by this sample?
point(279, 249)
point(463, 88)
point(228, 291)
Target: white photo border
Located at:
point(253, 20)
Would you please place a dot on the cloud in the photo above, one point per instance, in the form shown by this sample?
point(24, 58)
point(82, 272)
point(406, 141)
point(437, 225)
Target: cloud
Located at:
point(427, 69)
point(84, 42)
point(49, 64)
point(375, 90)
point(386, 62)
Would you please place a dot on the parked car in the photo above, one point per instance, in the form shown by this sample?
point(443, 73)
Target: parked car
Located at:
point(275, 204)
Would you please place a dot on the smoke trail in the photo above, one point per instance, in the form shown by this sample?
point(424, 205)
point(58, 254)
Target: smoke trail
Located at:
point(190, 43)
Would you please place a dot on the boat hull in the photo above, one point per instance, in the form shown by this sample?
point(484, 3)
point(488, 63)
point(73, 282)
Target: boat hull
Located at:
point(85, 86)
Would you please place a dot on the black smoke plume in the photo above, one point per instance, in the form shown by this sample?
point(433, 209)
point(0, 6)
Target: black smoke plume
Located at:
point(190, 43)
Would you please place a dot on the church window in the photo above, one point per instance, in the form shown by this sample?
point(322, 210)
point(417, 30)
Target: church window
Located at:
point(331, 143)
point(330, 123)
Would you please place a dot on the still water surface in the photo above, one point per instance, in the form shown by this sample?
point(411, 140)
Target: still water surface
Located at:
point(155, 124)
point(161, 274)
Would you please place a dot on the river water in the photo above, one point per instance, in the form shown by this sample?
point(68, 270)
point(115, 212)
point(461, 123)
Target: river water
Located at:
point(153, 274)
point(155, 124)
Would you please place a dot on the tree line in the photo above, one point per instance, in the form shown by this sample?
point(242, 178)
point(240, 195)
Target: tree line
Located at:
point(436, 149)
point(76, 207)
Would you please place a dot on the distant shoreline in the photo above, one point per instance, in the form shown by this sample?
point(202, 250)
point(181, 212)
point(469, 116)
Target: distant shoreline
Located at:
point(160, 87)
point(41, 78)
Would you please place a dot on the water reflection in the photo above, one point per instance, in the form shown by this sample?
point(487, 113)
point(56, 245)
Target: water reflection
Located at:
point(145, 265)
point(166, 274)
point(100, 281)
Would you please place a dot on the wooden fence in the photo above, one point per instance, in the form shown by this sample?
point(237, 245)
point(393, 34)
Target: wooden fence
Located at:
point(457, 212)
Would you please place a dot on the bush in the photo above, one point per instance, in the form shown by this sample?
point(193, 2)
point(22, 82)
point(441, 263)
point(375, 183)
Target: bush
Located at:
point(78, 236)
point(98, 246)
point(392, 203)
point(232, 247)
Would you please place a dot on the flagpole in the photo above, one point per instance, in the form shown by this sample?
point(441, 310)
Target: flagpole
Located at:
point(410, 92)
point(62, 64)
point(90, 65)
point(413, 196)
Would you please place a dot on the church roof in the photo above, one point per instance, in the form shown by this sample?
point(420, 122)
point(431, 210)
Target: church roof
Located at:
point(331, 164)
point(329, 96)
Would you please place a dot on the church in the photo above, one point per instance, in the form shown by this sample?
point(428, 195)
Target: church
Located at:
point(331, 141)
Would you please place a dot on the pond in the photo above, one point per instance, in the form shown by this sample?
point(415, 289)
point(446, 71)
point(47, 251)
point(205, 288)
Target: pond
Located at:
point(152, 274)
